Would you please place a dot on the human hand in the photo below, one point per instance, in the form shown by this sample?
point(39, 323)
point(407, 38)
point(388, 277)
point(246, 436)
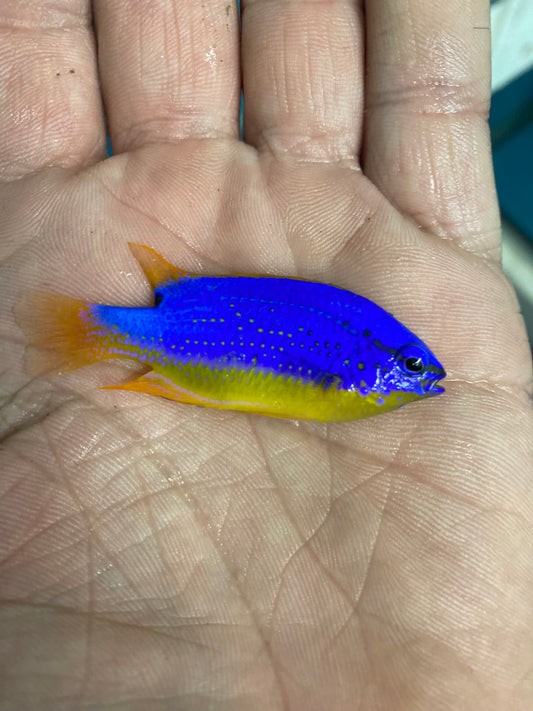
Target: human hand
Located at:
point(158, 556)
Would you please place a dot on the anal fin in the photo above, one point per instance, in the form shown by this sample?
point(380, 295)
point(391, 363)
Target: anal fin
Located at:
point(157, 384)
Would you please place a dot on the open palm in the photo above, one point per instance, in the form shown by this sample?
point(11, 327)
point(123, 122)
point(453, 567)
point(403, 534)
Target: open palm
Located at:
point(163, 556)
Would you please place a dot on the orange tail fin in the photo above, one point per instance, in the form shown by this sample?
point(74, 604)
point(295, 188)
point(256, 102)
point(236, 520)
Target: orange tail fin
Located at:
point(61, 332)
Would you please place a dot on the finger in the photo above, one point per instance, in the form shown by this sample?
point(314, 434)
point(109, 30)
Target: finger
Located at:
point(426, 142)
point(50, 111)
point(169, 69)
point(303, 78)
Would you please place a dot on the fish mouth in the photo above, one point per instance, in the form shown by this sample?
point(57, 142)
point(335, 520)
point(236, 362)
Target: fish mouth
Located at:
point(431, 386)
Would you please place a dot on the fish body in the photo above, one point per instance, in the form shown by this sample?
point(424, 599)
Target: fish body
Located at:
point(275, 346)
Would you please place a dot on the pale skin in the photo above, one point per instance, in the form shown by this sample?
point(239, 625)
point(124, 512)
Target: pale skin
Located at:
point(163, 556)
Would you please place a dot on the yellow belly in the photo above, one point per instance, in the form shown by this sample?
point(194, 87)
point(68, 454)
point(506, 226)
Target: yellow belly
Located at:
point(266, 394)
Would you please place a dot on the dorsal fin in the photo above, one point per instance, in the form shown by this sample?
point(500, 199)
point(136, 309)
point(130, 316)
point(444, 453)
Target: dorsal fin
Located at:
point(157, 269)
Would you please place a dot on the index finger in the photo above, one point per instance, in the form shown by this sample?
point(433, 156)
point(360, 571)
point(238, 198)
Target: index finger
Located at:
point(427, 143)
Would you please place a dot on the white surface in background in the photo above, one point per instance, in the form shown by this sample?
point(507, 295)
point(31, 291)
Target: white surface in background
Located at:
point(512, 40)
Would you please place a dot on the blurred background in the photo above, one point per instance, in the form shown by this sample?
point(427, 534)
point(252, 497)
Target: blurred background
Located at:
point(511, 123)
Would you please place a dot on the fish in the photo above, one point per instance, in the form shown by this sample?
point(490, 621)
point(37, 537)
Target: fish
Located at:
point(275, 346)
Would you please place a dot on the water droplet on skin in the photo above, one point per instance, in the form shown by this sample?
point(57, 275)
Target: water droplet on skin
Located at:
point(211, 58)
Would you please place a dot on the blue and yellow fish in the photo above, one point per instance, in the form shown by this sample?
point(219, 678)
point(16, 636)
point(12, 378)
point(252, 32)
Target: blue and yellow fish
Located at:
point(282, 347)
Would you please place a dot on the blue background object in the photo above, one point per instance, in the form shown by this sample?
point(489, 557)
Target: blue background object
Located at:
point(511, 124)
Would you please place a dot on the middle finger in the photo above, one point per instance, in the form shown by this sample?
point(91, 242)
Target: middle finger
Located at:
point(303, 63)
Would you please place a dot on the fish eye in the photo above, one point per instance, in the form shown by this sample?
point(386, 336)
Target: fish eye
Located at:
point(158, 298)
point(414, 365)
point(412, 359)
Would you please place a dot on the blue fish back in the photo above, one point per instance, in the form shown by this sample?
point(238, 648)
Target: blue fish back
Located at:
point(307, 329)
